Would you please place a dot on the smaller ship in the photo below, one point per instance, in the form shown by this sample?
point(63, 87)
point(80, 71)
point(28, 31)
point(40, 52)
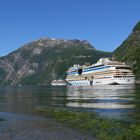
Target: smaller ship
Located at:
point(59, 82)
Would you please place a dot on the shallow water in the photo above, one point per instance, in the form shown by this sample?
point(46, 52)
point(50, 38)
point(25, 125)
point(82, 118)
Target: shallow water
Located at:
point(117, 101)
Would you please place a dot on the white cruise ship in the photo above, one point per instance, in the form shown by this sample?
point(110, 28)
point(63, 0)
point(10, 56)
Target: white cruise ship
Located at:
point(105, 71)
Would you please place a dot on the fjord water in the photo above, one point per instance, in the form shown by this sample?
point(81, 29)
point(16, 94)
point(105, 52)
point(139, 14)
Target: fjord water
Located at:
point(116, 101)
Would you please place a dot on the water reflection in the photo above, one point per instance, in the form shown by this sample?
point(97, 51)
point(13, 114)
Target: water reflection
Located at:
point(117, 101)
point(108, 100)
point(101, 97)
point(18, 99)
point(25, 98)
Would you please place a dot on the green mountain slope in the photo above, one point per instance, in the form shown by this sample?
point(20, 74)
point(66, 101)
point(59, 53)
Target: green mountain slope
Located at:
point(39, 62)
point(129, 50)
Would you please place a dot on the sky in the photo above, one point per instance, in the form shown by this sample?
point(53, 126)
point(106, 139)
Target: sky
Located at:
point(104, 23)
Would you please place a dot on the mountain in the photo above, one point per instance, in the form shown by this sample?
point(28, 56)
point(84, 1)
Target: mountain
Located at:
point(129, 50)
point(39, 62)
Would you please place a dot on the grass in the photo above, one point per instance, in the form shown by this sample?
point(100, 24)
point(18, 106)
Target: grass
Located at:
point(101, 128)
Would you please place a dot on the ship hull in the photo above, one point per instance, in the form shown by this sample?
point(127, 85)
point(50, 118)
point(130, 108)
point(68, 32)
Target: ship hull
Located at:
point(107, 81)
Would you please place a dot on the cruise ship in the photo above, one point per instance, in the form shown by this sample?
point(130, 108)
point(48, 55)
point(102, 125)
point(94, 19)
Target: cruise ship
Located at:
point(105, 71)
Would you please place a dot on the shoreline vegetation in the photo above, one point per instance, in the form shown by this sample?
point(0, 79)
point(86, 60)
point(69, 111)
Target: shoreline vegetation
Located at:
point(94, 125)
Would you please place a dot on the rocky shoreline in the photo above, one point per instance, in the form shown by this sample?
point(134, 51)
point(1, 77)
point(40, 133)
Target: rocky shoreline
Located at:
point(26, 127)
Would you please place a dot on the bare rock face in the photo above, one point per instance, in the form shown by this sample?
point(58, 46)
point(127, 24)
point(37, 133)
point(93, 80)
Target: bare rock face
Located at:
point(39, 62)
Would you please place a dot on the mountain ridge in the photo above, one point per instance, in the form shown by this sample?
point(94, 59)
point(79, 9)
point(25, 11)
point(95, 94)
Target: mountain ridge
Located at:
point(40, 61)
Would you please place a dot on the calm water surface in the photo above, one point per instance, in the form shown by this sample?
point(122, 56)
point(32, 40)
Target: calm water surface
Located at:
point(119, 101)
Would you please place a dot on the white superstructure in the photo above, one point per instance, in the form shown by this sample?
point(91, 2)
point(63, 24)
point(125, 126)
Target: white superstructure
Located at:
point(105, 71)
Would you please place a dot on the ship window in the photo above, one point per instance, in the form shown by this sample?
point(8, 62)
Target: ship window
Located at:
point(117, 76)
point(122, 67)
point(80, 71)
